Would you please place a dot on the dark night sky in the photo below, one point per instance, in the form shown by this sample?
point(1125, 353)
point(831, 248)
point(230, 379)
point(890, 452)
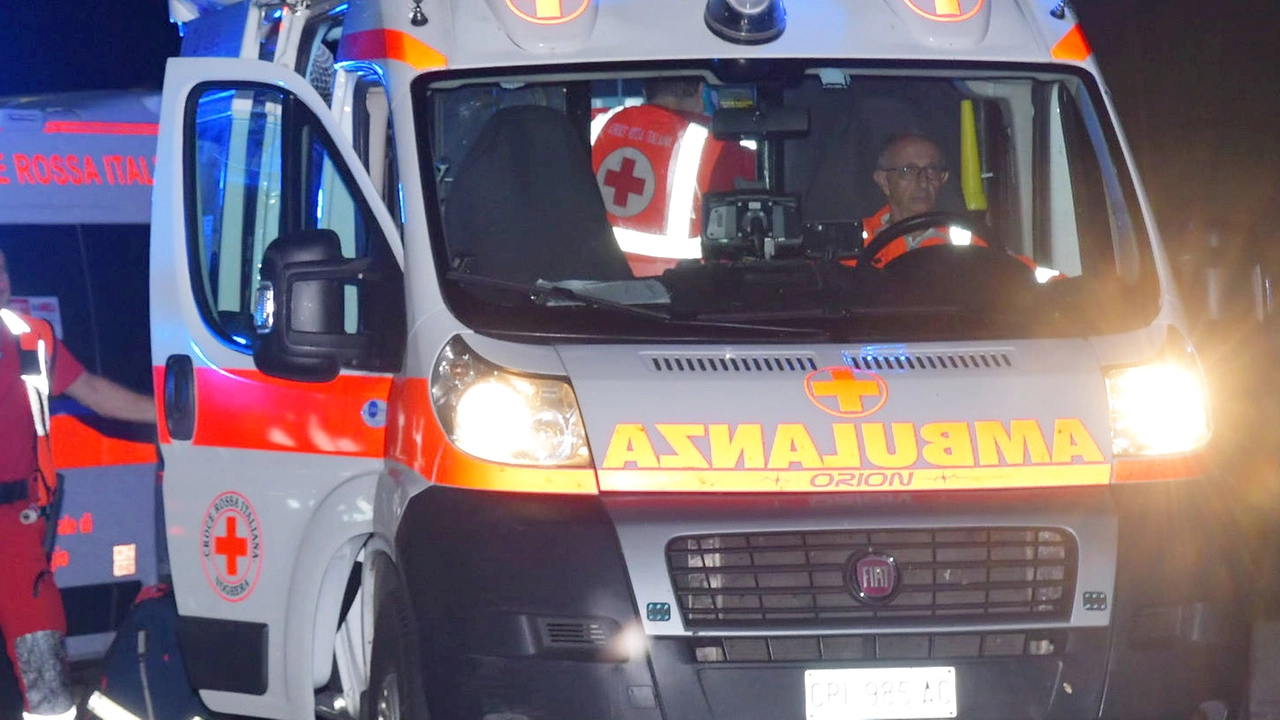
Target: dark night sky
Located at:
point(1197, 83)
point(84, 45)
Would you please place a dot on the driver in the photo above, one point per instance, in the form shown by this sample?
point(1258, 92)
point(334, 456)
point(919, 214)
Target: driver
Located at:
point(910, 170)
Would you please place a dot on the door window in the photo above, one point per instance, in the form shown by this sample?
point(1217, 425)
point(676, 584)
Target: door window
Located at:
point(262, 166)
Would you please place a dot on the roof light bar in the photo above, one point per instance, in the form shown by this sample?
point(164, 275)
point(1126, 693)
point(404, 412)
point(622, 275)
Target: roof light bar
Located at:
point(746, 22)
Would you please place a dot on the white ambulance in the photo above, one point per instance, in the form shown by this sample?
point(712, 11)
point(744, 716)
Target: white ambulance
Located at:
point(75, 209)
point(433, 449)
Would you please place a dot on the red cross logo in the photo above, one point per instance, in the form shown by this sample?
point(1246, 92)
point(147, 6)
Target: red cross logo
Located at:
point(840, 391)
point(548, 12)
point(946, 10)
point(231, 547)
point(626, 182)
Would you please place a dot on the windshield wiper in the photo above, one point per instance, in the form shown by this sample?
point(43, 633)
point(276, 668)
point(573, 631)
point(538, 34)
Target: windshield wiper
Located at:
point(550, 293)
point(836, 313)
point(885, 322)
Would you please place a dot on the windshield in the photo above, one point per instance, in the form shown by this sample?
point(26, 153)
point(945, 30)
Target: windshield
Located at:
point(831, 202)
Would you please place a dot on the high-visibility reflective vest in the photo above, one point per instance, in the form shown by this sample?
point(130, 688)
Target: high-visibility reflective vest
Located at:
point(653, 165)
point(68, 715)
point(933, 236)
point(36, 343)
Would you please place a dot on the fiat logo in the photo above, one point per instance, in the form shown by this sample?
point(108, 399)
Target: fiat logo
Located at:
point(873, 577)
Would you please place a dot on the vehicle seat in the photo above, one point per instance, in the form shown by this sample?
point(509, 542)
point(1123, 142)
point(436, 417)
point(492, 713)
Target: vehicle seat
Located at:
point(524, 205)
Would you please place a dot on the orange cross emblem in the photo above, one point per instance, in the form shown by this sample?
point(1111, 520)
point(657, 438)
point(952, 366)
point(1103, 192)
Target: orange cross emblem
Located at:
point(548, 12)
point(946, 10)
point(840, 391)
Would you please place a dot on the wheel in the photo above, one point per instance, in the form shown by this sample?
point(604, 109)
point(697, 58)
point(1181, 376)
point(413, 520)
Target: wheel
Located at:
point(395, 669)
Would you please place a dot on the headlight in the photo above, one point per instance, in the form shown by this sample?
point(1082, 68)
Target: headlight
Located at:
point(506, 417)
point(1160, 408)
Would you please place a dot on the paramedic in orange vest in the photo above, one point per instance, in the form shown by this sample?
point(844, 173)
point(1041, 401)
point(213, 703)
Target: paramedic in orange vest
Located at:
point(910, 170)
point(653, 162)
point(34, 366)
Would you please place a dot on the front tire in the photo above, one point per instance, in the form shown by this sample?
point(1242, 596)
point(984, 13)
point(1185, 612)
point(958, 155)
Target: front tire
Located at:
point(395, 669)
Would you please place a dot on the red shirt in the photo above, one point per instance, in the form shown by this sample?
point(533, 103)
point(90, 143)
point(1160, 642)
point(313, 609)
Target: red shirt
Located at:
point(18, 447)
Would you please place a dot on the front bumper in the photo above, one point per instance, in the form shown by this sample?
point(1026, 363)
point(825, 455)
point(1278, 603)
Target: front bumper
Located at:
point(530, 605)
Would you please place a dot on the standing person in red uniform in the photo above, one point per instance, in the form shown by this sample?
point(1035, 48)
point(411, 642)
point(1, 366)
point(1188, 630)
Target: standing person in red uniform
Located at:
point(34, 366)
point(653, 162)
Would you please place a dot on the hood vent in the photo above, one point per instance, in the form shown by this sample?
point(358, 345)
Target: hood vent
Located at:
point(758, 363)
point(947, 360)
point(805, 363)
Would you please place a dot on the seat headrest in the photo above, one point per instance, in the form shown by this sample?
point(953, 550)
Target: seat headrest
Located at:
point(524, 205)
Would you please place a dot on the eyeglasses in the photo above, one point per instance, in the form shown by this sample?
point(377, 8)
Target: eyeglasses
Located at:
point(910, 173)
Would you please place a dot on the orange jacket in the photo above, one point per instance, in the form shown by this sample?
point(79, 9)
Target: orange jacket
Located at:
point(934, 236)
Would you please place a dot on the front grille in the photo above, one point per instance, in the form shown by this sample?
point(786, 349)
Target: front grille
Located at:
point(826, 648)
point(983, 575)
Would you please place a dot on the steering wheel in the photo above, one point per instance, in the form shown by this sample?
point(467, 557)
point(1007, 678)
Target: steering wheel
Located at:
point(927, 221)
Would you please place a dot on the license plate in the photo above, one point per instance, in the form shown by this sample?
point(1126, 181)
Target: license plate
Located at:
point(916, 693)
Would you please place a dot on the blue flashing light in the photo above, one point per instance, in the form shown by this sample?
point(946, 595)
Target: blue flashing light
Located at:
point(361, 67)
point(746, 22)
point(887, 349)
point(880, 358)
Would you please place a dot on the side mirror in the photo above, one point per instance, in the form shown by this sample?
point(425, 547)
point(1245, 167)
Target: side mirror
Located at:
point(300, 308)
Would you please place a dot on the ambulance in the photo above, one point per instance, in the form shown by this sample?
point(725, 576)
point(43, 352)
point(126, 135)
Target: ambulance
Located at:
point(433, 449)
point(75, 209)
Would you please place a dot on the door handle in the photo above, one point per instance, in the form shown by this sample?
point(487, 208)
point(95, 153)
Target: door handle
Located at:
point(179, 397)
